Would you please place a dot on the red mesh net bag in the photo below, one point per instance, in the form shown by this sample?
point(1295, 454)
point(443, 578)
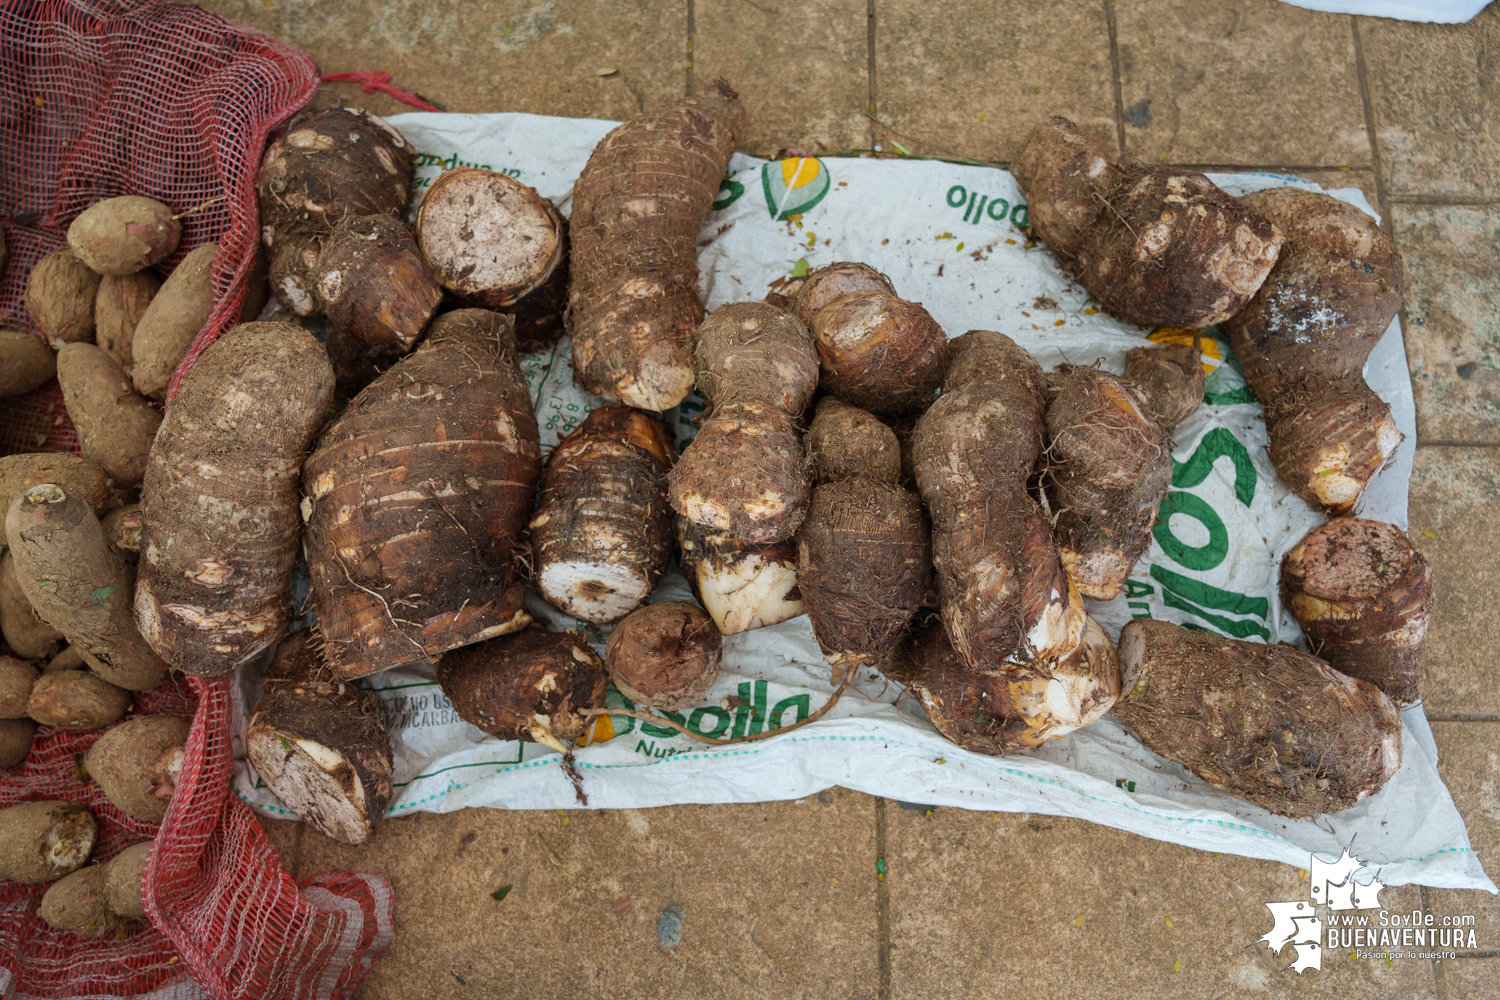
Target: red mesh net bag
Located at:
point(166, 100)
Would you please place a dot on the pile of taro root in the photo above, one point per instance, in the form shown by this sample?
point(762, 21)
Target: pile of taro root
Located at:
point(937, 507)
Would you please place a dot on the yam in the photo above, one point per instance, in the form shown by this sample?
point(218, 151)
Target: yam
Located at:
point(26, 634)
point(1268, 724)
point(880, 352)
point(70, 658)
point(124, 235)
point(15, 740)
point(745, 473)
point(124, 875)
point(1363, 594)
point(320, 744)
point(77, 699)
point(1109, 467)
point(531, 685)
point(124, 761)
point(864, 552)
point(60, 298)
point(45, 840)
point(19, 473)
point(122, 530)
point(664, 655)
point(416, 497)
point(331, 164)
point(79, 903)
point(26, 363)
point(489, 239)
point(374, 285)
point(602, 534)
point(637, 209)
point(115, 425)
point(118, 307)
point(1067, 176)
point(172, 322)
point(1304, 339)
point(16, 679)
point(1169, 381)
point(77, 584)
point(220, 523)
point(741, 584)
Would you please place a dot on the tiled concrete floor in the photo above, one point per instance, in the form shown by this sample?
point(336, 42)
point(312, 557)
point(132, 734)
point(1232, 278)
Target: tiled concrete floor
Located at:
point(781, 899)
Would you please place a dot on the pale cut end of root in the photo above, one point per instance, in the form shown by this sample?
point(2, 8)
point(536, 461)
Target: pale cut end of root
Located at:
point(663, 378)
point(70, 840)
point(301, 774)
point(1100, 575)
point(541, 732)
point(704, 510)
point(748, 594)
point(594, 592)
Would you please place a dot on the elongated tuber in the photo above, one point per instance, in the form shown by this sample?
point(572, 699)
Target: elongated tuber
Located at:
point(26, 634)
point(533, 685)
point(220, 518)
point(15, 740)
point(1304, 338)
point(26, 363)
point(742, 585)
point(1268, 724)
point(19, 473)
point(79, 585)
point(602, 534)
point(118, 307)
point(490, 239)
point(320, 743)
point(665, 655)
point(1363, 594)
point(79, 902)
point(123, 875)
point(1162, 247)
point(879, 351)
point(637, 209)
point(864, 552)
point(16, 679)
point(127, 762)
point(172, 322)
point(60, 298)
point(115, 425)
point(745, 472)
point(76, 699)
point(416, 497)
point(374, 285)
point(42, 841)
point(124, 235)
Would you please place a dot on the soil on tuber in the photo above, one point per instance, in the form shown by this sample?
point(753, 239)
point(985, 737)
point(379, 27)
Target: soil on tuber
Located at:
point(115, 425)
point(60, 298)
point(742, 585)
point(16, 679)
point(637, 209)
point(26, 634)
point(19, 473)
point(124, 235)
point(664, 655)
point(45, 840)
point(129, 763)
point(15, 740)
point(102, 899)
point(172, 322)
point(118, 307)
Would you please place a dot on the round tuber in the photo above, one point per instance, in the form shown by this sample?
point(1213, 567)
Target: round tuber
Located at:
point(173, 320)
point(374, 285)
point(77, 699)
point(25, 633)
point(329, 165)
point(16, 679)
point(26, 363)
point(124, 235)
point(1067, 176)
point(880, 352)
point(126, 763)
point(664, 655)
point(15, 740)
point(60, 298)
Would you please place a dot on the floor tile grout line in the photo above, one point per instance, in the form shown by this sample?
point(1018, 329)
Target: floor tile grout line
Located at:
point(1439, 974)
point(882, 903)
point(1114, 73)
point(692, 31)
point(1456, 443)
point(1444, 200)
point(870, 29)
point(1460, 717)
point(1368, 105)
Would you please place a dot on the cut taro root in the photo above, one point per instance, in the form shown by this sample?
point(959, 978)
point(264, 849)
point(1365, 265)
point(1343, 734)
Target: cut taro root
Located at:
point(742, 585)
point(320, 743)
point(665, 655)
point(532, 685)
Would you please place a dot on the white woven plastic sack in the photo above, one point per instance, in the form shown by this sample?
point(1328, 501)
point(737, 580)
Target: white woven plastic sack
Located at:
point(1432, 11)
point(948, 236)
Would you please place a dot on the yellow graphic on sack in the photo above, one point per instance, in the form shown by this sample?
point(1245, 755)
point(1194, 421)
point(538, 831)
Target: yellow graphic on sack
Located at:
point(1225, 379)
point(794, 185)
point(1212, 356)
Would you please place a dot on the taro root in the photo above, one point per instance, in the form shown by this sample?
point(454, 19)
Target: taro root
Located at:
point(16, 679)
point(490, 239)
point(1168, 382)
point(745, 472)
point(1067, 176)
point(79, 585)
point(115, 425)
point(124, 235)
point(331, 164)
point(1363, 594)
point(439, 456)
point(880, 352)
point(19, 473)
point(532, 685)
point(637, 210)
point(118, 307)
point(1268, 724)
point(294, 271)
point(1109, 467)
point(741, 584)
point(808, 294)
point(76, 699)
point(221, 525)
point(26, 634)
point(173, 320)
point(602, 534)
point(320, 743)
point(26, 363)
point(1304, 338)
point(374, 284)
point(43, 841)
point(130, 761)
point(15, 740)
point(1004, 710)
point(664, 655)
point(122, 530)
point(864, 552)
point(60, 298)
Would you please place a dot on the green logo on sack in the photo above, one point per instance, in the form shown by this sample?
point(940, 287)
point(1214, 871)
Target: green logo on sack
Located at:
point(794, 185)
